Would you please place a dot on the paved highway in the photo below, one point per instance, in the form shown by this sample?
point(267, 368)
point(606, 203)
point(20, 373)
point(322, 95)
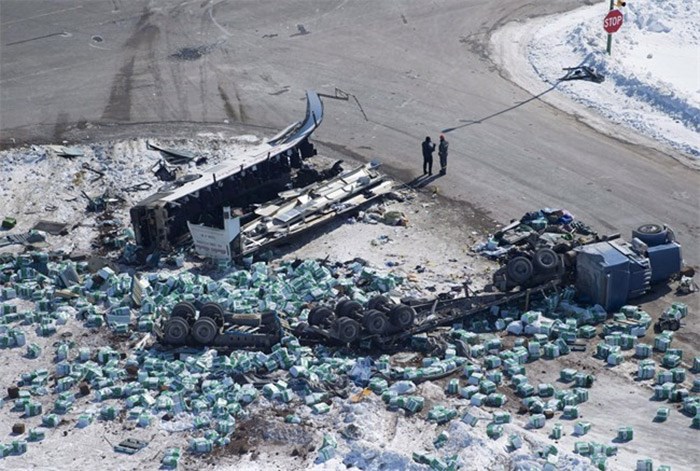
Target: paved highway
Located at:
point(416, 68)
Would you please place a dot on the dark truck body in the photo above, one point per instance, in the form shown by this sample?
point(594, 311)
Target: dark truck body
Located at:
point(605, 270)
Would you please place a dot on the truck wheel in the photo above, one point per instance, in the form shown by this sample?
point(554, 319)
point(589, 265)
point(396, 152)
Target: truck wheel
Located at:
point(651, 234)
point(271, 325)
point(347, 307)
point(320, 315)
point(268, 317)
point(176, 330)
point(674, 324)
point(185, 310)
point(546, 259)
point(375, 322)
point(339, 306)
point(204, 330)
point(402, 316)
point(347, 330)
point(519, 269)
point(213, 311)
point(378, 302)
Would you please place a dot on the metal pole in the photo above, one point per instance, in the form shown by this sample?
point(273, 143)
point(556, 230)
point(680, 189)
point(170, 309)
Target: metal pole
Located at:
point(609, 49)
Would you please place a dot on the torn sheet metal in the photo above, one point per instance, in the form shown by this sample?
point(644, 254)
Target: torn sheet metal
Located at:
point(52, 227)
point(301, 206)
point(67, 152)
point(583, 72)
point(130, 446)
point(173, 156)
point(31, 238)
point(295, 212)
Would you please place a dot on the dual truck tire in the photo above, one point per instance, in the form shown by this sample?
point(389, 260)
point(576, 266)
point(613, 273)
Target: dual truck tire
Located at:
point(182, 322)
point(520, 269)
point(349, 319)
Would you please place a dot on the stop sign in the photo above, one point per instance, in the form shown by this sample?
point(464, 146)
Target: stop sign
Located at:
point(612, 21)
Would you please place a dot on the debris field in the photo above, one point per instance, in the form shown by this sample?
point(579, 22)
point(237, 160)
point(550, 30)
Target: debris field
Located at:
point(550, 382)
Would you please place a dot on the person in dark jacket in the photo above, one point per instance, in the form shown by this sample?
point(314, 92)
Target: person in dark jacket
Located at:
point(442, 153)
point(428, 149)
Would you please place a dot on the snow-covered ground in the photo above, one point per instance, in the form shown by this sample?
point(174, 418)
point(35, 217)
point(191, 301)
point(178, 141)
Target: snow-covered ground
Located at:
point(652, 77)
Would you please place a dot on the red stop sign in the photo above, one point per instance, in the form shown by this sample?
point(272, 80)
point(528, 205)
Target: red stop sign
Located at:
point(612, 21)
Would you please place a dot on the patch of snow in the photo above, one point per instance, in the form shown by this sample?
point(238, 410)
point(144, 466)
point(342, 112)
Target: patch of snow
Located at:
point(652, 77)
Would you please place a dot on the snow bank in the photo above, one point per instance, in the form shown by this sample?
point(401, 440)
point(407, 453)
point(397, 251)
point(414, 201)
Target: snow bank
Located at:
point(652, 78)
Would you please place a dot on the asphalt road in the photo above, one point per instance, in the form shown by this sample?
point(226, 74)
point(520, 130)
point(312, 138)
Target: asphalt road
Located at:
point(416, 68)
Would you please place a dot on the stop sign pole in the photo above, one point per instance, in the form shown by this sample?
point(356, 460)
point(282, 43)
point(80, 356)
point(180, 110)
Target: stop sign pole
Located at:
point(612, 22)
point(609, 49)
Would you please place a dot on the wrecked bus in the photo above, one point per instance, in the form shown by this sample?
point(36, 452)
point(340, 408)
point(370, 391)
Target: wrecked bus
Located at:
point(160, 221)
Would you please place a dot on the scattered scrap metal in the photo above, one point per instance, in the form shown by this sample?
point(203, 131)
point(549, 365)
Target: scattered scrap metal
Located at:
point(552, 227)
point(29, 239)
point(100, 174)
point(173, 156)
point(51, 227)
point(66, 152)
point(583, 72)
point(9, 223)
point(130, 446)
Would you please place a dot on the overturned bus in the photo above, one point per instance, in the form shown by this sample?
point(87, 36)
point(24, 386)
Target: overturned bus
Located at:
point(160, 221)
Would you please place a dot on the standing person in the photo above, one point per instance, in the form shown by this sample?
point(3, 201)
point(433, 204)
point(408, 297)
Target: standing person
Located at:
point(442, 153)
point(428, 149)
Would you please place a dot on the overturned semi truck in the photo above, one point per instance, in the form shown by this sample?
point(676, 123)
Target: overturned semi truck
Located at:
point(606, 270)
point(160, 221)
point(209, 324)
point(381, 324)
